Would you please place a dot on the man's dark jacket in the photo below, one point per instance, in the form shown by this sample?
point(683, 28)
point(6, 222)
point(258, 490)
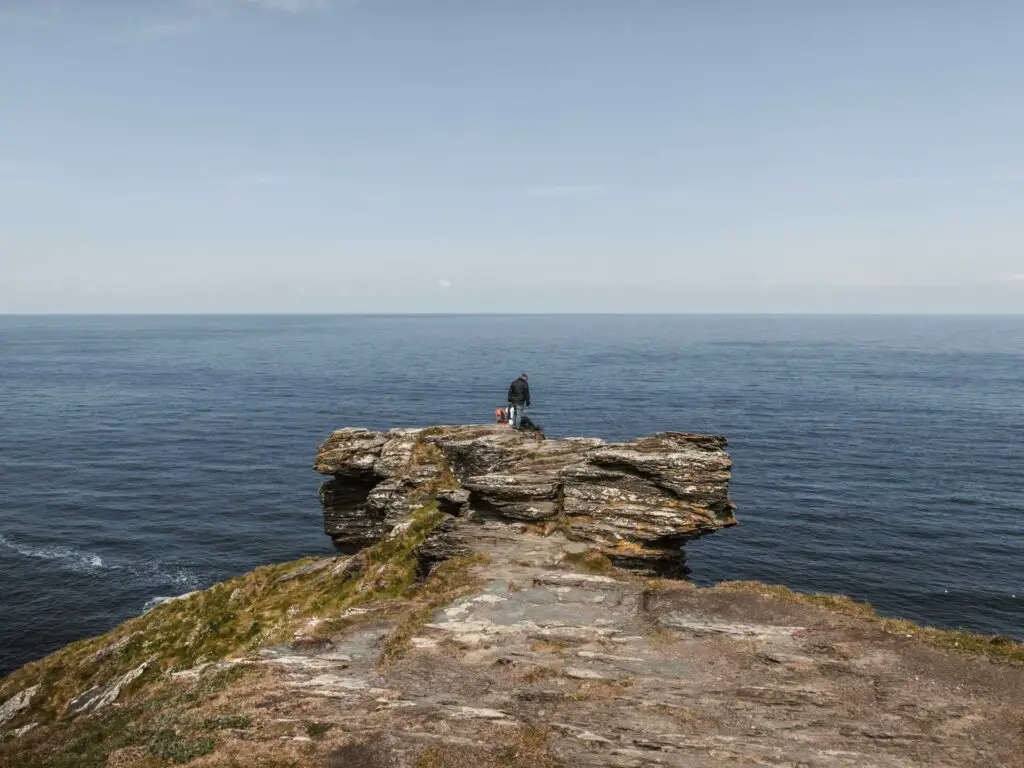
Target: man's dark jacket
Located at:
point(519, 392)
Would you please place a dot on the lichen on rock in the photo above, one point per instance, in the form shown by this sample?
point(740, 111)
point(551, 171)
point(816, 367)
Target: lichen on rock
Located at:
point(639, 501)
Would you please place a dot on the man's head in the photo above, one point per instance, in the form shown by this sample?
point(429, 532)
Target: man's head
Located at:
point(523, 376)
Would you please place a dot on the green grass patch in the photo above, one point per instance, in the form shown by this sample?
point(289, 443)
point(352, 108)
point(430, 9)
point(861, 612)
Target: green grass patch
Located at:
point(229, 620)
point(171, 745)
point(228, 722)
point(165, 719)
point(168, 726)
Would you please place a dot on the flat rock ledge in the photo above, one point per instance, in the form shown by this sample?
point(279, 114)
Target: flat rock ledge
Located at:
point(637, 501)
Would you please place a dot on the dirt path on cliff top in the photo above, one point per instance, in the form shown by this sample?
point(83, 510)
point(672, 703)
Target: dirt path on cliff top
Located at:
point(551, 665)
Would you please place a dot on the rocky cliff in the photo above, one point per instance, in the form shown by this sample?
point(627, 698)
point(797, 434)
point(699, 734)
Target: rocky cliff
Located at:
point(634, 502)
point(478, 618)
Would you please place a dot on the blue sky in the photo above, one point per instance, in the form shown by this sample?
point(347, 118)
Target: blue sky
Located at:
point(472, 155)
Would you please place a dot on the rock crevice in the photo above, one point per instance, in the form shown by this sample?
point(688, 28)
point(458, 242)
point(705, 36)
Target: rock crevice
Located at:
point(636, 501)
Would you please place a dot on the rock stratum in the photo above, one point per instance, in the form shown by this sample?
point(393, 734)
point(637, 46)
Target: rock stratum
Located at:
point(494, 607)
point(635, 502)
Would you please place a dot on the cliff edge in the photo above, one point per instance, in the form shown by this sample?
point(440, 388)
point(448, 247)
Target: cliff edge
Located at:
point(480, 617)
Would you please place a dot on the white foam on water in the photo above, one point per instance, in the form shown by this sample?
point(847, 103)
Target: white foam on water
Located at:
point(185, 578)
point(69, 558)
point(78, 561)
point(153, 602)
point(163, 573)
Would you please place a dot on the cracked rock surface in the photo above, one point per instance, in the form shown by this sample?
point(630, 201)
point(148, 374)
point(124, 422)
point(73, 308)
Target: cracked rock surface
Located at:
point(614, 670)
point(638, 501)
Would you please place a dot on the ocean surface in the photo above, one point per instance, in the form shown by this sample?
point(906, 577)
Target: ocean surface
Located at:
point(144, 457)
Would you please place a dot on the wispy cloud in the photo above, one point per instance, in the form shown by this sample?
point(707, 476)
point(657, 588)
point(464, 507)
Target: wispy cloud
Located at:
point(1015, 278)
point(567, 190)
point(282, 6)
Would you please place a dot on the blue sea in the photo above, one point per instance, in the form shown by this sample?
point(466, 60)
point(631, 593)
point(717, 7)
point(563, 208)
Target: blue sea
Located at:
point(144, 457)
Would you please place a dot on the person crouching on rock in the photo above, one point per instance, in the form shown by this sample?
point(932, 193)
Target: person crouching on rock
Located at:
point(518, 400)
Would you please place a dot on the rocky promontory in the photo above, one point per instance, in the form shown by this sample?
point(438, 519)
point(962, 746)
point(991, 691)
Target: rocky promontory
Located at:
point(496, 604)
point(635, 502)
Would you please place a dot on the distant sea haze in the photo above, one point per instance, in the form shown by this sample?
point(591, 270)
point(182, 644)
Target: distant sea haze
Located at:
point(144, 457)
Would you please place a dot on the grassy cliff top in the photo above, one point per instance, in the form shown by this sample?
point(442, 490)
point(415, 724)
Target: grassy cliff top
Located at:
point(522, 654)
point(496, 643)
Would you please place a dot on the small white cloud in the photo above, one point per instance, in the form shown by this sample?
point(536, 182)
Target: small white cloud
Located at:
point(444, 284)
point(1017, 278)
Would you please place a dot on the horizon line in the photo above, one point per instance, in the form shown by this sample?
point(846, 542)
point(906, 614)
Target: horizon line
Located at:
point(509, 314)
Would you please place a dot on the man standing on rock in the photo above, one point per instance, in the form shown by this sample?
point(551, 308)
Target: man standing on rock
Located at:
point(518, 399)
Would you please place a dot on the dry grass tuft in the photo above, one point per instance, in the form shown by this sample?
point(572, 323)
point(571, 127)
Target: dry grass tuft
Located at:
point(593, 561)
point(527, 747)
point(653, 586)
point(600, 689)
point(538, 673)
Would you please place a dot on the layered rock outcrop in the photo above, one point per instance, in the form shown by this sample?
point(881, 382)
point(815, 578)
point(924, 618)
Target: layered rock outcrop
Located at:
point(637, 501)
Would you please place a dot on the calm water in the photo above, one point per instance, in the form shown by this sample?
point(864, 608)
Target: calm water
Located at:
point(143, 457)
